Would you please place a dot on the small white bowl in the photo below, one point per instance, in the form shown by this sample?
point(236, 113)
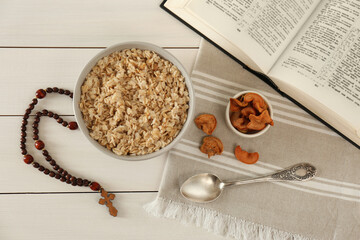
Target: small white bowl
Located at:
point(118, 47)
point(247, 135)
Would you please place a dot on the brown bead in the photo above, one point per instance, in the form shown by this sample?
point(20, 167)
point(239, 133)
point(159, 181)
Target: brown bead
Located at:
point(22, 146)
point(48, 158)
point(52, 163)
point(36, 137)
point(49, 90)
point(56, 116)
point(68, 176)
point(28, 159)
point(74, 183)
point(31, 107)
point(41, 168)
point(23, 140)
point(71, 95)
point(52, 174)
point(95, 186)
point(72, 125)
point(67, 92)
point(64, 173)
point(73, 179)
point(23, 133)
point(60, 170)
point(44, 112)
point(23, 152)
point(41, 93)
point(23, 128)
point(62, 179)
point(59, 120)
point(37, 120)
point(55, 89)
point(86, 183)
point(28, 111)
point(57, 176)
point(35, 131)
point(64, 123)
point(61, 91)
point(50, 114)
point(38, 114)
point(45, 153)
point(56, 167)
point(39, 145)
point(68, 181)
point(35, 125)
point(36, 165)
point(34, 101)
point(26, 116)
point(47, 171)
point(24, 122)
point(79, 182)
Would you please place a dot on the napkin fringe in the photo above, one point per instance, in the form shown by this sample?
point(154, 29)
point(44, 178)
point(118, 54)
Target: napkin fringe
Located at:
point(213, 221)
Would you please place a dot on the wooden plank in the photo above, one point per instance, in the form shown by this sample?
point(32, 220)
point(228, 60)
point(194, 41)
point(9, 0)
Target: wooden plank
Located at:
point(24, 70)
point(90, 23)
point(78, 216)
point(73, 152)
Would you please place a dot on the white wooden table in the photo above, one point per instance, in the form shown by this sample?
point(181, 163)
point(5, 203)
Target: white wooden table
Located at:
point(46, 44)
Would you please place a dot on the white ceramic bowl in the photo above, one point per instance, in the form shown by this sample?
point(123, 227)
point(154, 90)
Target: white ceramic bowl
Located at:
point(118, 47)
point(247, 135)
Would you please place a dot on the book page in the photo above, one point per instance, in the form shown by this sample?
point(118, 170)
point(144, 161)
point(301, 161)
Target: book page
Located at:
point(324, 59)
point(262, 29)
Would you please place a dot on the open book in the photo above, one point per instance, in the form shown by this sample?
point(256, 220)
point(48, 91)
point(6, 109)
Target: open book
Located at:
point(310, 49)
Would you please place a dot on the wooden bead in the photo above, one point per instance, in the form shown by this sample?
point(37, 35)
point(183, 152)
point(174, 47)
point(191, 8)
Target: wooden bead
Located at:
point(45, 153)
point(44, 112)
point(39, 145)
point(52, 174)
point(73, 125)
point(36, 137)
point(48, 158)
point(50, 114)
point(26, 116)
point(23, 152)
point(64, 123)
point(57, 176)
point(28, 159)
point(59, 120)
point(55, 89)
point(56, 116)
point(52, 163)
point(35, 131)
point(23, 140)
point(34, 101)
point(95, 186)
point(49, 90)
point(62, 179)
point(61, 91)
point(67, 92)
point(36, 165)
point(71, 95)
point(46, 171)
point(41, 168)
point(40, 93)
point(35, 125)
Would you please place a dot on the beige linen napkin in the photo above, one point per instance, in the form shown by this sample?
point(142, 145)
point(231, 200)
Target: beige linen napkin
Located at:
point(327, 207)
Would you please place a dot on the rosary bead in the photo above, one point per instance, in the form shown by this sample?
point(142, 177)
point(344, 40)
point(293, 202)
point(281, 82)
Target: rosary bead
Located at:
point(67, 92)
point(61, 91)
point(26, 116)
point(23, 133)
point(59, 120)
point(31, 107)
point(73, 179)
point(74, 183)
point(62, 179)
point(38, 114)
point(64, 123)
point(50, 114)
point(95, 186)
point(37, 119)
point(39, 145)
point(41, 168)
point(64, 173)
point(72, 125)
point(46, 171)
point(68, 181)
point(49, 90)
point(52, 162)
point(35, 131)
point(28, 111)
point(45, 153)
point(44, 112)
point(23, 128)
point(48, 158)
point(36, 137)
point(23, 152)
point(56, 116)
point(86, 182)
point(52, 174)
point(55, 89)
point(23, 139)
point(28, 159)
point(24, 122)
point(79, 182)
point(57, 176)
point(34, 101)
point(68, 176)
point(40, 93)
point(22, 146)
point(36, 165)
point(35, 125)
point(56, 167)
point(60, 170)
point(71, 95)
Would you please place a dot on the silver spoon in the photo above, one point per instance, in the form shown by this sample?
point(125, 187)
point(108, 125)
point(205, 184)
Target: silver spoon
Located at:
point(206, 187)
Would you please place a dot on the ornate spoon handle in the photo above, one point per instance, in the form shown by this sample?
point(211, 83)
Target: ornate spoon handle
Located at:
point(298, 172)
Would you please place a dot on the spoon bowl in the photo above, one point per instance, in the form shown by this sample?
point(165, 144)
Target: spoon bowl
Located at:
point(207, 187)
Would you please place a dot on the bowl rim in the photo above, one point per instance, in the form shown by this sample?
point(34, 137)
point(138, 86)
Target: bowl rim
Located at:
point(245, 135)
point(118, 47)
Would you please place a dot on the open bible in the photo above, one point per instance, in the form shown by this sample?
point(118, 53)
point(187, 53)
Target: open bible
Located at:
point(308, 50)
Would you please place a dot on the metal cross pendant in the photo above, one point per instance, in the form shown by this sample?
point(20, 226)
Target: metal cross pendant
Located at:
point(107, 200)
